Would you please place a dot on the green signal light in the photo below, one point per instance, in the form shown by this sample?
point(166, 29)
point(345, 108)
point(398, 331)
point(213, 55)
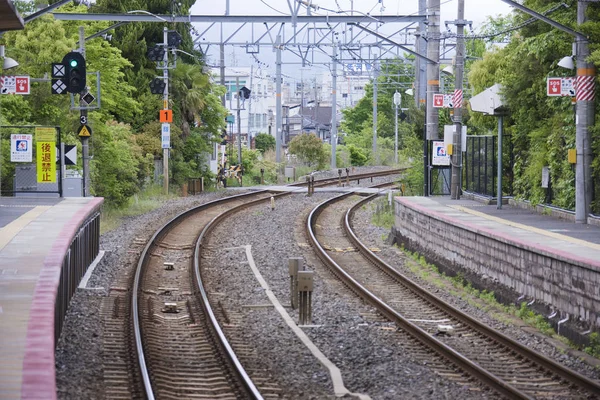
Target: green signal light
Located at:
point(73, 63)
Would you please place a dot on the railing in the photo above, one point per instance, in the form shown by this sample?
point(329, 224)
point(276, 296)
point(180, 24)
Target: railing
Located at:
point(83, 250)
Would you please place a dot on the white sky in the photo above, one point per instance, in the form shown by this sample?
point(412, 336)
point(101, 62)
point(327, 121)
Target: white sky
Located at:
point(475, 10)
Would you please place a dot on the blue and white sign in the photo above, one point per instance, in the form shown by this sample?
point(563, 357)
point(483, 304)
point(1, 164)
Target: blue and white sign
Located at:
point(439, 155)
point(166, 136)
point(20, 148)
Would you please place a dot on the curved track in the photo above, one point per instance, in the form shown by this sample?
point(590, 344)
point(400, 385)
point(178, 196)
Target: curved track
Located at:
point(184, 350)
point(180, 347)
point(496, 360)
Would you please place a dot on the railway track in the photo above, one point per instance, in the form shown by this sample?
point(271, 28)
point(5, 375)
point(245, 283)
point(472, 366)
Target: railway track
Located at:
point(480, 352)
point(181, 350)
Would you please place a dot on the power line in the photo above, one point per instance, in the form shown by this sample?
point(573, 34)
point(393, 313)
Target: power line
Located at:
point(274, 9)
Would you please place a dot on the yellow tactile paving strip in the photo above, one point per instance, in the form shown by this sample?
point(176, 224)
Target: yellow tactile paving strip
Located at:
point(528, 228)
point(8, 232)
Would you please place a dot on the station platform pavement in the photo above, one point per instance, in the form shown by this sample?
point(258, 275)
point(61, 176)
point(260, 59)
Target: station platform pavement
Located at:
point(35, 234)
point(537, 229)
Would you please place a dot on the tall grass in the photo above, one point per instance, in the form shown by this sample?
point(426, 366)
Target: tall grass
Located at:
point(147, 200)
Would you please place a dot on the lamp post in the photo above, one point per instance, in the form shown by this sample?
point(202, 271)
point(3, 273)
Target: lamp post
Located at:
point(397, 100)
point(7, 62)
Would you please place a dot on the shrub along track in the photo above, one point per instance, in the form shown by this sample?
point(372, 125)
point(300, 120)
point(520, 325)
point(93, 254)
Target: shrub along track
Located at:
point(475, 350)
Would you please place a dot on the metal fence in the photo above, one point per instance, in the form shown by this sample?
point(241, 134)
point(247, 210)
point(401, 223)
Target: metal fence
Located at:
point(30, 164)
point(83, 250)
point(480, 166)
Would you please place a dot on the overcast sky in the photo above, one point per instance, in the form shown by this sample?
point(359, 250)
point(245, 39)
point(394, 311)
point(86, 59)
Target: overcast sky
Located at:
point(475, 10)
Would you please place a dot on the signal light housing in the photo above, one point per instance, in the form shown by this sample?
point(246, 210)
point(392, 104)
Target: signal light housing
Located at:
point(156, 53)
point(75, 78)
point(173, 39)
point(157, 86)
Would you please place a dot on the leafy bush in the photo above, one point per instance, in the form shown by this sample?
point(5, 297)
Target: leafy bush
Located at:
point(357, 157)
point(309, 149)
point(264, 142)
point(114, 168)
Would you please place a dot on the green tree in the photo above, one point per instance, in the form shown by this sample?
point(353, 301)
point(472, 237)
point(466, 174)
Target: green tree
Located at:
point(264, 142)
point(357, 158)
point(309, 149)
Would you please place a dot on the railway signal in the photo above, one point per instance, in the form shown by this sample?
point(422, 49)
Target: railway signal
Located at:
point(74, 64)
point(174, 39)
point(157, 86)
point(156, 53)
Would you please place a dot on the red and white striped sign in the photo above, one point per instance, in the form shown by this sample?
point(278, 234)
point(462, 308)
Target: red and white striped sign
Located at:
point(585, 89)
point(458, 98)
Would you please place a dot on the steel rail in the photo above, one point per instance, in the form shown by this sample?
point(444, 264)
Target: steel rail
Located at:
point(440, 348)
point(138, 273)
point(551, 365)
point(139, 348)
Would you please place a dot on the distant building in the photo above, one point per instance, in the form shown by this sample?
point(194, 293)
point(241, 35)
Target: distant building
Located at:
point(255, 112)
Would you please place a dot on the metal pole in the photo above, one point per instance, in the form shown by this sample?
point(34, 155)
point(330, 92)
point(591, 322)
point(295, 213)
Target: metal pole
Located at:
point(422, 44)
point(456, 178)
point(333, 137)
point(499, 173)
point(250, 107)
point(584, 119)
point(425, 159)
point(85, 141)
point(375, 76)
point(433, 71)
point(396, 134)
point(278, 108)
point(239, 123)
point(166, 107)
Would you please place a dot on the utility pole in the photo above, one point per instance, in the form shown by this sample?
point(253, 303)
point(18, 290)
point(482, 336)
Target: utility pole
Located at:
point(584, 119)
point(433, 70)
point(278, 107)
point(456, 179)
point(585, 97)
point(85, 140)
point(239, 123)
point(250, 107)
point(166, 107)
point(375, 77)
point(222, 55)
point(397, 102)
point(433, 84)
point(333, 137)
point(421, 67)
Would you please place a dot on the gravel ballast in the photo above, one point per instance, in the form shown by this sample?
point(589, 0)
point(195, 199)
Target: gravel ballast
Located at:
point(368, 352)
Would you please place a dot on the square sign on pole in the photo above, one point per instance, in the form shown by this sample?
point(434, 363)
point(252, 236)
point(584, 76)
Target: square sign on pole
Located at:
point(20, 147)
point(166, 136)
point(443, 100)
point(561, 86)
point(14, 85)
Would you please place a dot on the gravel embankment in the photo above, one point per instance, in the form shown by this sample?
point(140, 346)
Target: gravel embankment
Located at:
point(369, 355)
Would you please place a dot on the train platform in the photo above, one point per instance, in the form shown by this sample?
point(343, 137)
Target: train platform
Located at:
point(539, 257)
point(533, 228)
point(35, 236)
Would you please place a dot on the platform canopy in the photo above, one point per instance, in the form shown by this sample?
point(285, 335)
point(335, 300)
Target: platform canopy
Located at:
point(490, 101)
point(10, 19)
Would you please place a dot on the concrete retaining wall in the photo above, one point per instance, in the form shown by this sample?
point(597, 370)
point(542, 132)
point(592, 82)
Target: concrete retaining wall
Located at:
point(553, 277)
